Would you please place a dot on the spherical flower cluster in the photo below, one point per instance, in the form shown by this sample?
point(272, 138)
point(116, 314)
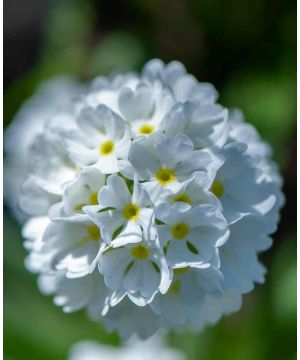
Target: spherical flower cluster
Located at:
point(148, 203)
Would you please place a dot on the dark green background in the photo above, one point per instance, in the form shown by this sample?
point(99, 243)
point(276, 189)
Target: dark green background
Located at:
point(248, 51)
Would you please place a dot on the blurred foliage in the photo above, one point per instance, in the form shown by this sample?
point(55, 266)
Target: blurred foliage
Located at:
point(248, 51)
point(269, 102)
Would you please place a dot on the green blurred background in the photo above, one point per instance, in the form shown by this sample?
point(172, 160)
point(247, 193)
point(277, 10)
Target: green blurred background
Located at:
point(248, 51)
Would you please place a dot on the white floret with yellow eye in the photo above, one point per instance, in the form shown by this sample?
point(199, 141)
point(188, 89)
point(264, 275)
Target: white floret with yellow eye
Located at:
point(190, 235)
point(124, 210)
point(74, 246)
point(101, 140)
point(137, 270)
point(145, 107)
point(164, 163)
point(81, 191)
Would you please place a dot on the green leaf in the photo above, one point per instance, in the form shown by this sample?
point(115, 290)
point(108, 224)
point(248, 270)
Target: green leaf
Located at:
point(192, 248)
point(156, 268)
point(117, 232)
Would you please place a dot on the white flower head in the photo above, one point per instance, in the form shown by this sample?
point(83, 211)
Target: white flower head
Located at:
point(134, 349)
point(147, 202)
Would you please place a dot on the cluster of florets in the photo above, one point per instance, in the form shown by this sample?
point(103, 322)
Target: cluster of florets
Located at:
point(146, 201)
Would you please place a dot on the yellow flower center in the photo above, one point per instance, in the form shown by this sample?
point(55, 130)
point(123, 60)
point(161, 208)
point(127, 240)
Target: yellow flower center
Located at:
point(140, 252)
point(146, 129)
point(183, 198)
point(175, 287)
point(217, 188)
point(165, 176)
point(94, 198)
point(79, 207)
point(106, 148)
point(180, 230)
point(92, 201)
point(180, 271)
point(94, 232)
point(131, 212)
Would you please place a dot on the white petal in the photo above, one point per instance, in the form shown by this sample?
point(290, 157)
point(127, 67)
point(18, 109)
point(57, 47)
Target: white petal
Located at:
point(132, 233)
point(137, 104)
point(115, 194)
point(113, 264)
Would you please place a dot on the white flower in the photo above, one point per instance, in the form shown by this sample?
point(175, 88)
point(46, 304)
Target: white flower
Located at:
point(205, 125)
point(126, 318)
point(191, 235)
point(184, 86)
point(194, 191)
point(239, 185)
point(247, 237)
point(147, 202)
point(262, 152)
point(164, 163)
point(75, 294)
point(74, 246)
point(63, 245)
point(33, 231)
point(106, 91)
point(78, 193)
point(145, 107)
point(51, 98)
point(50, 168)
point(137, 270)
point(102, 139)
point(240, 267)
point(186, 295)
point(135, 349)
point(120, 214)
